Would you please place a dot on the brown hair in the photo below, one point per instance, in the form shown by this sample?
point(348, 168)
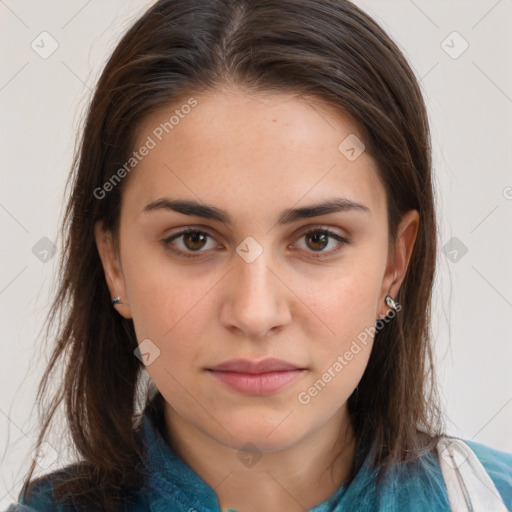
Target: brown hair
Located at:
point(324, 49)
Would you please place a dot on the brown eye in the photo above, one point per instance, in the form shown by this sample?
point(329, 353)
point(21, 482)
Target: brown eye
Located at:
point(317, 240)
point(321, 241)
point(194, 240)
point(190, 241)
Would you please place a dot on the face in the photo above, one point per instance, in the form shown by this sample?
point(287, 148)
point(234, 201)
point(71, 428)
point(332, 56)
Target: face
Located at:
point(258, 274)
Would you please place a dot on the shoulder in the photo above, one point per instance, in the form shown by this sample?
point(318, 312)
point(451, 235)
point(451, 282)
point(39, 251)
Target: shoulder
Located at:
point(37, 496)
point(50, 493)
point(498, 465)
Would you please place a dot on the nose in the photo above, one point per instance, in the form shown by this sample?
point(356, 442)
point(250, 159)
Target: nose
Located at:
point(256, 301)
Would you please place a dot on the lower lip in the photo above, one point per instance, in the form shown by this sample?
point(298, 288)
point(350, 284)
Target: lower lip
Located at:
point(256, 383)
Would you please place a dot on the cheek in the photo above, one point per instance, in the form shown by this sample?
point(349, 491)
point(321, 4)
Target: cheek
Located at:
point(346, 303)
point(172, 311)
point(166, 307)
point(171, 307)
point(160, 291)
point(342, 346)
point(346, 307)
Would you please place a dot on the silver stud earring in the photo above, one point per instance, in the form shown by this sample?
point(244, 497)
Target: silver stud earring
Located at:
point(390, 302)
point(116, 300)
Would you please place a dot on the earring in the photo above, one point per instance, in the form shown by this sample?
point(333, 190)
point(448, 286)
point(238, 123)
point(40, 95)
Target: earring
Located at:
point(116, 300)
point(390, 302)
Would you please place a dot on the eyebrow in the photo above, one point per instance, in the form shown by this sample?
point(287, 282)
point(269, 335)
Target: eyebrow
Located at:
point(189, 207)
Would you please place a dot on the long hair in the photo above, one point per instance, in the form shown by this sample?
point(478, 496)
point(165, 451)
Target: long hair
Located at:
point(324, 49)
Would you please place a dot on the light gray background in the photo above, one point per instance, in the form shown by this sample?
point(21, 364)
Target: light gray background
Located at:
point(470, 104)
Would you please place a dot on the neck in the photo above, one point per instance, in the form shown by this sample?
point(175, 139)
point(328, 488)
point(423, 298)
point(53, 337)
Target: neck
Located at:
point(294, 478)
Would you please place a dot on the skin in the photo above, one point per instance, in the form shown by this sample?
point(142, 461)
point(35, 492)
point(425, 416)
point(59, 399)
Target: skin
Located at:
point(254, 155)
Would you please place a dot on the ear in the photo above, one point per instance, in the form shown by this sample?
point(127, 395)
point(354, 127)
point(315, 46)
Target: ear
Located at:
point(112, 267)
point(398, 261)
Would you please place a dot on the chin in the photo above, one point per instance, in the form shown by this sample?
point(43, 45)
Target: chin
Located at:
point(266, 434)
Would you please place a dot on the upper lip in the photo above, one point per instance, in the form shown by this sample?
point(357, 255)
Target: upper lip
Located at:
point(248, 366)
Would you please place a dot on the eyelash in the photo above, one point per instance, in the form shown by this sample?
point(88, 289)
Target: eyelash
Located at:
point(167, 242)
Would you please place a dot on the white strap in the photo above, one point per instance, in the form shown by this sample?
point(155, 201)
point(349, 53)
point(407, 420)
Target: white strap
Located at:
point(470, 488)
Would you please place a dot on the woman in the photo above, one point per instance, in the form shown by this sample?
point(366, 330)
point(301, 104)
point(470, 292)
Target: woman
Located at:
point(252, 222)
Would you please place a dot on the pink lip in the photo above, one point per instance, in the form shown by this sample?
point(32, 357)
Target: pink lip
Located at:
point(248, 366)
point(256, 383)
point(256, 378)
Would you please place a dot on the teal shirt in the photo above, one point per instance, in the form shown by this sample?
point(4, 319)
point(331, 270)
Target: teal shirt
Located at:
point(171, 485)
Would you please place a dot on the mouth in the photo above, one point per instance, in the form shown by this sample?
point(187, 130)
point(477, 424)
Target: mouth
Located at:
point(256, 377)
point(255, 367)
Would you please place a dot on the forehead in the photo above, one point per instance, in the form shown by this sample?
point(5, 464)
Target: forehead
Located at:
point(262, 150)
